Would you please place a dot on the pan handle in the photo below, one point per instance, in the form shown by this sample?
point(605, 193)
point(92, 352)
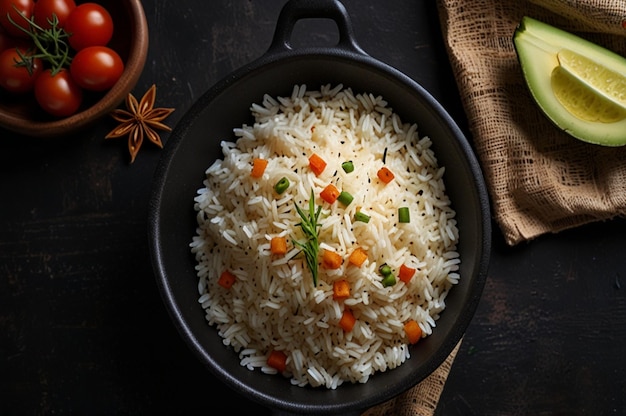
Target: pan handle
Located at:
point(295, 10)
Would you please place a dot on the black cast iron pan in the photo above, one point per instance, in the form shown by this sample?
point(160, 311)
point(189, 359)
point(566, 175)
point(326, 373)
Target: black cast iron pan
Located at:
point(194, 145)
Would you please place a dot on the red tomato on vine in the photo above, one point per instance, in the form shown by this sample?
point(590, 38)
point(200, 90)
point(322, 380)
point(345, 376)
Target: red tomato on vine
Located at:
point(18, 78)
point(45, 9)
point(58, 94)
point(89, 24)
point(96, 68)
point(19, 11)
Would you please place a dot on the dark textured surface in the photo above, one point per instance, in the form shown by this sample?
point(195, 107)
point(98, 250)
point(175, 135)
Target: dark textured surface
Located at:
point(82, 326)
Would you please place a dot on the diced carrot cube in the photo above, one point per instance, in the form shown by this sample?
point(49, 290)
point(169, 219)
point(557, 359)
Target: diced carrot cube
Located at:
point(258, 167)
point(330, 193)
point(412, 331)
point(277, 360)
point(341, 289)
point(317, 164)
point(278, 245)
point(406, 273)
point(385, 175)
point(347, 320)
point(358, 257)
point(331, 260)
point(226, 279)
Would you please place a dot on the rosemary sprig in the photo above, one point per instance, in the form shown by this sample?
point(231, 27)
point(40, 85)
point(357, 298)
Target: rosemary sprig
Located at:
point(51, 44)
point(309, 226)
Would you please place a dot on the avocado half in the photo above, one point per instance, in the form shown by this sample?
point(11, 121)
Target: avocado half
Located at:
point(537, 45)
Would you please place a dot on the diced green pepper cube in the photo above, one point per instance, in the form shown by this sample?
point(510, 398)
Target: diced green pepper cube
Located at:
point(403, 215)
point(347, 166)
point(282, 185)
point(345, 198)
point(359, 216)
point(389, 280)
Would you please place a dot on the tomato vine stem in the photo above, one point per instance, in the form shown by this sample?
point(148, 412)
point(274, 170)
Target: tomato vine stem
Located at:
point(50, 44)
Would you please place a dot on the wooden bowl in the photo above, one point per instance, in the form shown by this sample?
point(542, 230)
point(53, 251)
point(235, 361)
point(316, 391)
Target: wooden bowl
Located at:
point(22, 114)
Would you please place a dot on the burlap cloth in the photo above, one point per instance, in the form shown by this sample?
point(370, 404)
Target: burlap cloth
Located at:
point(422, 399)
point(540, 179)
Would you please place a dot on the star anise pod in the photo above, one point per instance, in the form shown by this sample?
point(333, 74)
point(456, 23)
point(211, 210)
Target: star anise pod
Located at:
point(141, 120)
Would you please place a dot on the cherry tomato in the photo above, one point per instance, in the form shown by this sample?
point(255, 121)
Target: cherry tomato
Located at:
point(96, 68)
point(25, 7)
point(89, 24)
point(15, 78)
point(58, 94)
point(45, 9)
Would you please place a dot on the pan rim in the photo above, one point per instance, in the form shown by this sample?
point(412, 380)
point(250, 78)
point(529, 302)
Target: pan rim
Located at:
point(266, 63)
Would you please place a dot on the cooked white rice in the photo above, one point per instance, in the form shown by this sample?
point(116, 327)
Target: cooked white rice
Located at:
point(273, 304)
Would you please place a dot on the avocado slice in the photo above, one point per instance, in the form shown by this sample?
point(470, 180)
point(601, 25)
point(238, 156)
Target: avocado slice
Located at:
point(579, 85)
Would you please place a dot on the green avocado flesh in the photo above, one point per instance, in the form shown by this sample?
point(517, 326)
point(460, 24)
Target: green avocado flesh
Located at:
point(578, 85)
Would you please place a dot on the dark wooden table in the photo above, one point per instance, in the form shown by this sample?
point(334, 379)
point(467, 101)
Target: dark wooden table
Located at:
point(83, 329)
